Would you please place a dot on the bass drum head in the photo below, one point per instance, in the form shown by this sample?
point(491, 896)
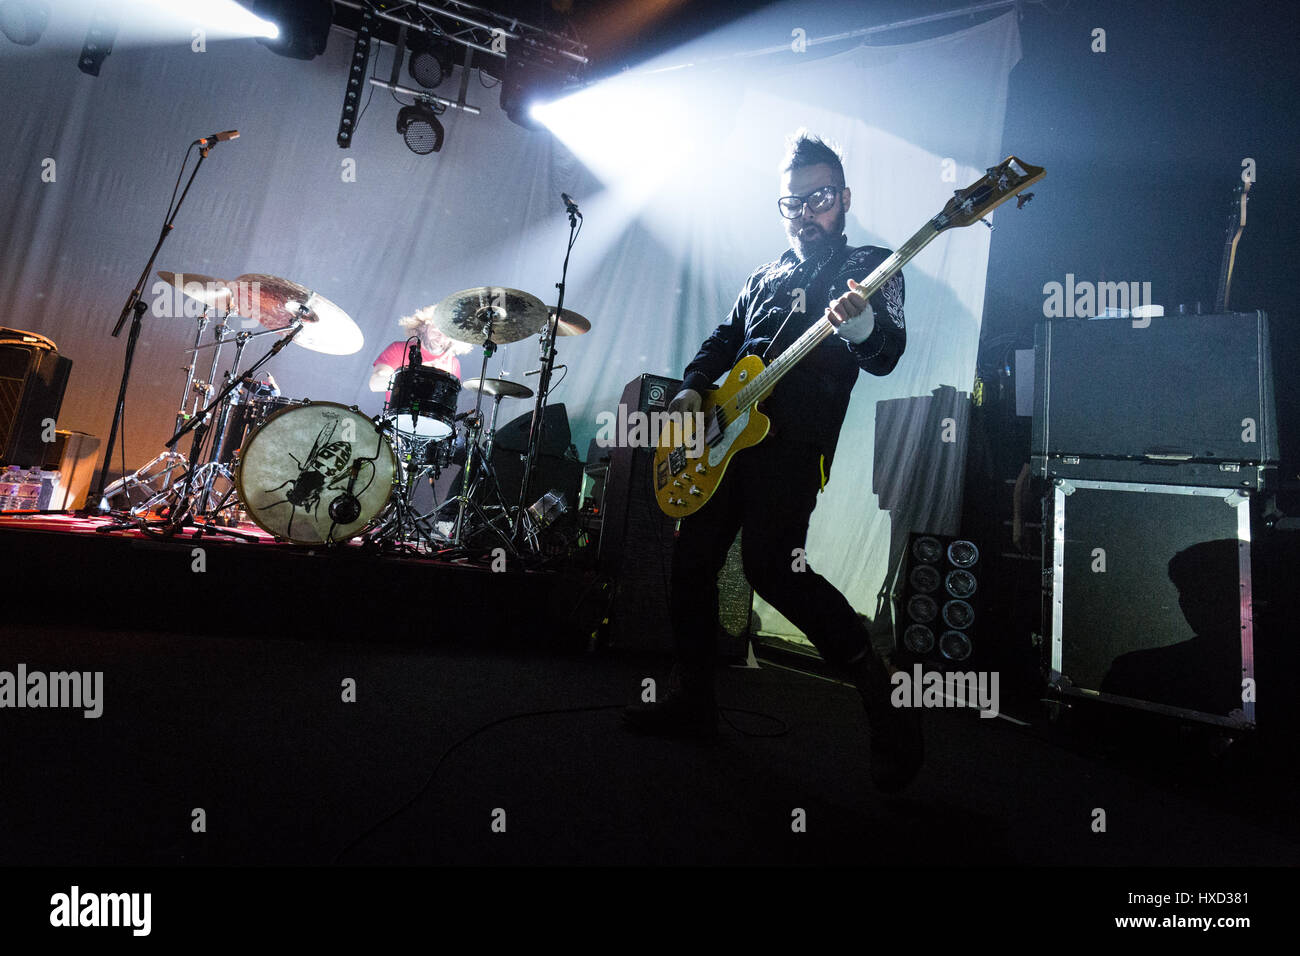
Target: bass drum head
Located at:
point(301, 461)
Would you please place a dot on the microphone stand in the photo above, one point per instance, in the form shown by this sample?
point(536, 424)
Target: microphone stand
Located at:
point(544, 384)
point(136, 307)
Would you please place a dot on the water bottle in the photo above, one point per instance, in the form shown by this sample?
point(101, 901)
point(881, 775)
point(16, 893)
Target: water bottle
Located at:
point(29, 490)
point(9, 487)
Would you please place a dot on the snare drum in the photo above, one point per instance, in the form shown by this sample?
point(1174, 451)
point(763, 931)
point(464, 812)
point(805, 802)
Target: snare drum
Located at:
point(423, 401)
point(316, 473)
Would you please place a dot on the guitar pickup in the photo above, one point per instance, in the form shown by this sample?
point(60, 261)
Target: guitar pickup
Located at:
point(677, 460)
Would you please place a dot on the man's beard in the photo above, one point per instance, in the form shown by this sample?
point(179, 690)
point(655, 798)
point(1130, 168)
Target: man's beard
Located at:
point(812, 248)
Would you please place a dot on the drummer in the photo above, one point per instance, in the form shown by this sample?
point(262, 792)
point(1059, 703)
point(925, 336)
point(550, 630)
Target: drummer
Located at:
point(436, 349)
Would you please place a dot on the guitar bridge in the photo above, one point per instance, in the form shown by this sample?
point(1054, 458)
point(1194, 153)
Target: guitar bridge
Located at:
point(677, 460)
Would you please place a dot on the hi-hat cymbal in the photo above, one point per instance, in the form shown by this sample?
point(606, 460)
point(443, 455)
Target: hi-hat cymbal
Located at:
point(490, 312)
point(570, 323)
point(206, 289)
point(274, 303)
point(499, 386)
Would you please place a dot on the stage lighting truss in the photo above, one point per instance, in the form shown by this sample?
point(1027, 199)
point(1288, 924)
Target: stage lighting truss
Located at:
point(357, 80)
point(441, 25)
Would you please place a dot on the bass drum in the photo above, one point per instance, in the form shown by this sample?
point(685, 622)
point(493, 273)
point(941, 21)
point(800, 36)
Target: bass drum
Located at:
point(316, 473)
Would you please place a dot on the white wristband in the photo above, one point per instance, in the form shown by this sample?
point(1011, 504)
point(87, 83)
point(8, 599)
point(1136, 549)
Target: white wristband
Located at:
point(857, 329)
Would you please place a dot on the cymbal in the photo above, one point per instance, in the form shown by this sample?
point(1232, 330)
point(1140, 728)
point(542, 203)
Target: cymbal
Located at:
point(274, 303)
point(571, 323)
point(499, 386)
point(206, 289)
point(504, 315)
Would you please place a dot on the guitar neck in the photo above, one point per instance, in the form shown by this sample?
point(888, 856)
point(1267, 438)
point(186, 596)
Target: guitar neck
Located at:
point(1225, 269)
point(1236, 225)
point(766, 380)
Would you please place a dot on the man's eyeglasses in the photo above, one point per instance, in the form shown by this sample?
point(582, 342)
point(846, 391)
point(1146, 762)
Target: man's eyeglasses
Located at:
point(819, 201)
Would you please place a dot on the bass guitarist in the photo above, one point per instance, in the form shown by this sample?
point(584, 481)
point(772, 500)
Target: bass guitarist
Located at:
point(771, 488)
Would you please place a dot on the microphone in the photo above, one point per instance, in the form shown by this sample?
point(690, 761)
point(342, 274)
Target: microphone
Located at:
point(414, 357)
point(570, 206)
point(346, 508)
point(218, 137)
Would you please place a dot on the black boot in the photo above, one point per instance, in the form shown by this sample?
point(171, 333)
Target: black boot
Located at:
point(897, 747)
point(687, 708)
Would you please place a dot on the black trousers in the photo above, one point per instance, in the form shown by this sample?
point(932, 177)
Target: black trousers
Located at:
point(769, 492)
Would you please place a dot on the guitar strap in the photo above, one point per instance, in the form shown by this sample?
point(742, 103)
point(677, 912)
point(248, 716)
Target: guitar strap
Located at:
point(817, 290)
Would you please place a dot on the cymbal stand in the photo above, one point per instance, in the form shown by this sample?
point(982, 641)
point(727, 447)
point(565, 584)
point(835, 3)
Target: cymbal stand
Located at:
point(216, 467)
point(156, 477)
point(403, 523)
point(473, 452)
point(181, 514)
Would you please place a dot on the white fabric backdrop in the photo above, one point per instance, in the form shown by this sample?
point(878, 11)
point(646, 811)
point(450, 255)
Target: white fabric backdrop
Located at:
point(656, 268)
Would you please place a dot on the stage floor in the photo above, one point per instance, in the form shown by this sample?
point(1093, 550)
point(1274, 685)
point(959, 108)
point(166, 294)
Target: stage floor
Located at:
point(60, 569)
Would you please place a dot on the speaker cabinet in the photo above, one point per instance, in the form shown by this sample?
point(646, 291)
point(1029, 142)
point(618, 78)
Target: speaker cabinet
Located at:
point(1150, 601)
point(1209, 420)
point(636, 546)
point(32, 381)
point(939, 617)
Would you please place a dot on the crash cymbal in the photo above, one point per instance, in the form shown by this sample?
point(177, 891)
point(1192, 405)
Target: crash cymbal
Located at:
point(206, 289)
point(274, 303)
point(571, 323)
point(504, 315)
point(499, 386)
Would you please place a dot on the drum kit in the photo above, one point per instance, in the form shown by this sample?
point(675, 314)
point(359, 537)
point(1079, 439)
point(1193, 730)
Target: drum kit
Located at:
point(322, 473)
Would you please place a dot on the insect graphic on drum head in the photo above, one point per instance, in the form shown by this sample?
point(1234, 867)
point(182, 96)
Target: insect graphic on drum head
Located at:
point(324, 469)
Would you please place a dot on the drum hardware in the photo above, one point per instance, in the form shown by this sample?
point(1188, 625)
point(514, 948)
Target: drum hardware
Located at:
point(181, 512)
point(403, 528)
point(476, 471)
point(161, 468)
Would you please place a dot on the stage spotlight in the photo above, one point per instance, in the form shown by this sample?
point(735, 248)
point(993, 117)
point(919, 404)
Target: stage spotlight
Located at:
point(432, 59)
point(24, 21)
point(420, 128)
point(531, 78)
point(99, 42)
point(302, 27)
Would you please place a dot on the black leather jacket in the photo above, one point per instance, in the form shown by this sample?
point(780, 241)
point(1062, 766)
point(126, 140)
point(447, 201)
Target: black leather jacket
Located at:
point(810, 402)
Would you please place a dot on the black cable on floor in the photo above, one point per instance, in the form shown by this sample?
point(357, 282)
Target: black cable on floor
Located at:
point(535, 713)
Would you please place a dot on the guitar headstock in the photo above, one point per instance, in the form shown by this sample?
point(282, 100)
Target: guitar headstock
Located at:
point(992, 189)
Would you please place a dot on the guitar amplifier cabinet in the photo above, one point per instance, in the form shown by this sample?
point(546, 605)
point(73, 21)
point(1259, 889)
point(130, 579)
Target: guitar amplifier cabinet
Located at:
point(1149, 601)
point(636, 546)
point(32, 380)
point(1184, 400)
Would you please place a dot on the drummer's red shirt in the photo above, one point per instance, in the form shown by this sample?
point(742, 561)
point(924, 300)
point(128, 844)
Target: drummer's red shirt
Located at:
point(395, 357)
